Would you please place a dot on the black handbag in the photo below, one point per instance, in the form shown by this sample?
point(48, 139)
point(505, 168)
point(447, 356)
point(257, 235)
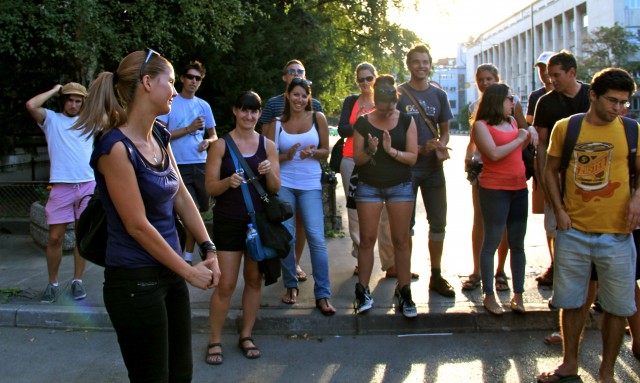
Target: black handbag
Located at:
point(91, 231)
point(336, 155)
point(529, 158)
point(277, 210)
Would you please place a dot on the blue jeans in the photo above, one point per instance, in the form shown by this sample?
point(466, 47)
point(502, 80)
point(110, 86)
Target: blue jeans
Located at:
point(309, 203)
point(614, 257)
point(433, 187)
point(502, 208)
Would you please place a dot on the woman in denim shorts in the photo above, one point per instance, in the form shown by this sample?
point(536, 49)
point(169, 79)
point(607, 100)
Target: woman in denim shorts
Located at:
point(384, 148)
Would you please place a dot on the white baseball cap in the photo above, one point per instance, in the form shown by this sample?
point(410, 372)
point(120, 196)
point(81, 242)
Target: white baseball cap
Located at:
point(544, 57)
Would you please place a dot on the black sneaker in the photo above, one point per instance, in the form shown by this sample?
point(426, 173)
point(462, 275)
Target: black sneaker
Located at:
point(77, 290)
point(441, 286)
point(50, 294)
point(405, 303)
point(363, 300)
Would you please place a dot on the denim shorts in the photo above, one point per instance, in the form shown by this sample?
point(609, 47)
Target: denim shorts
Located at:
point(614, 256)
point(402, 192)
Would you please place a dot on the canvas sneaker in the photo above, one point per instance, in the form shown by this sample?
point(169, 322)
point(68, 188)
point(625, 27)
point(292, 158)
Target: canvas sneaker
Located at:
point(50, 294)
point(405, 303)
point(77, 290)
point(363, 300)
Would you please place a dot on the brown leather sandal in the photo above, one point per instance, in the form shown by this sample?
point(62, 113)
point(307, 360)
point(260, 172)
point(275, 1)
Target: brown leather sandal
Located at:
point(291, 296)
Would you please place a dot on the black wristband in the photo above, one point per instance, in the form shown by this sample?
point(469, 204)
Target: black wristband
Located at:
point(206, 247)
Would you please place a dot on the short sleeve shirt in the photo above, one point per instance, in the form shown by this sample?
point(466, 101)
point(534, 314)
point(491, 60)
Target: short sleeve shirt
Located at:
point(597, 180)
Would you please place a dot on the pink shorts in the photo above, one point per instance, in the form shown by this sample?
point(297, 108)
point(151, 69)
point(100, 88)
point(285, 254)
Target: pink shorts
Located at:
point(66, 201)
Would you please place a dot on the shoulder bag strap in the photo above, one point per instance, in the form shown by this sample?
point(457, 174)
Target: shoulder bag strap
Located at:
point(415, 102)
point(315, 125)
point(239, 158)
point(243, 186)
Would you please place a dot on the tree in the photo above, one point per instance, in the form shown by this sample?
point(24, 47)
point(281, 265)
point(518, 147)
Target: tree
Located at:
point(608, 47)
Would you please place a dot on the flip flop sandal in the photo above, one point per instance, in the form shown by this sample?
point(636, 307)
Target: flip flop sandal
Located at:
point(325, 311)
point(209, 359)
point(300, 274)
point(554, 338)
point(246, 350)
point(501, 282)
point(289, 297)
point(473, 282)
point(559, 378)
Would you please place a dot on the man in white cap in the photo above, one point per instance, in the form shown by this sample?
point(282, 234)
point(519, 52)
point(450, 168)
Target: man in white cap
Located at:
point(546, 278)
point(71, 177)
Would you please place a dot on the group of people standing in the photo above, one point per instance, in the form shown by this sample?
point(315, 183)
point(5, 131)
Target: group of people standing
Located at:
point(396, 142)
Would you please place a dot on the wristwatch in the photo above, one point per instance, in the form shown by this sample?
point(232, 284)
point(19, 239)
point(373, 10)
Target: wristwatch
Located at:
point(207, 247)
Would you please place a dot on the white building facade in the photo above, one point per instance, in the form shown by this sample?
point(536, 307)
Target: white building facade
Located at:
point(556, 24)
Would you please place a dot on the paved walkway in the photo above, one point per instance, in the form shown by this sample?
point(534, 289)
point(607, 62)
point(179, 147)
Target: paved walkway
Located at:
point(23, 269)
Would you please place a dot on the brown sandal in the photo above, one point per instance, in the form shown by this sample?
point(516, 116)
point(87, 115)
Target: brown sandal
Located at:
point(290, 297)
point(247, 349)
point(211, 356)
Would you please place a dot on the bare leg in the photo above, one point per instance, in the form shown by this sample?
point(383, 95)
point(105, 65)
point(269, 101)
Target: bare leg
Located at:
point(221, 298)
point(435, 252)
point(369, 217)
point(477, 232)
point(399, 219)
point(634, 325)
point(612, 334)
point(54, 250)
point(251, 297)
point(503, 250)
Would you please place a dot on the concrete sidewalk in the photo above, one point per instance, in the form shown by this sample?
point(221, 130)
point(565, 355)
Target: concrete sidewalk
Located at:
point(23, 269)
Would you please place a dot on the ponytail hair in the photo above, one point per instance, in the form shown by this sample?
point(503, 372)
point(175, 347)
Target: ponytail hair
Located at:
point(111, 93)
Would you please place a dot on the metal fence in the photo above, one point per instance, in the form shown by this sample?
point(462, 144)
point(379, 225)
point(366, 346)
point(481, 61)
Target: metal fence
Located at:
point(16, 197)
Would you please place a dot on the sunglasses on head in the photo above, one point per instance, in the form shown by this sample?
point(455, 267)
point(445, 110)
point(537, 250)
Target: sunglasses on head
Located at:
point(363, 79)
point(150, 53)
point(190, 76)
point(385, 90)
point(301, 81)
point(293, 71)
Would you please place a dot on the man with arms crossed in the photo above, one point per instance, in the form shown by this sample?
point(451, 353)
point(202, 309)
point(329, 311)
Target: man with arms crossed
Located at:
point(71, 177)
point(568, 97)
point(428, 173)
point(193, 129)
point(595, 216)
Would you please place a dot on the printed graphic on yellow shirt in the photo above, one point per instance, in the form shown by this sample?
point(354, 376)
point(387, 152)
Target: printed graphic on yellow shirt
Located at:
point(592, 168)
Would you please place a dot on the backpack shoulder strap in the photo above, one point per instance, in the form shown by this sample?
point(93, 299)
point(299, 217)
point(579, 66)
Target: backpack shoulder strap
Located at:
point(573, 131)
point(631, 132)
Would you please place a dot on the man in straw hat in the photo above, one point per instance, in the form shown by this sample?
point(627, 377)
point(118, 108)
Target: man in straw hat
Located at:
point(70, 175)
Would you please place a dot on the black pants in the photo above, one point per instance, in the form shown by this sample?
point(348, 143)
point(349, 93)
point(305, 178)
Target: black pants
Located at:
point(150, 311)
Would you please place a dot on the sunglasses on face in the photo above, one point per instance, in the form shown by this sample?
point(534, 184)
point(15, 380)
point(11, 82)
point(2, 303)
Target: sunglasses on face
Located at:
point(510, 98)
point(150, 53)
point(385, 90)
point(189, 76)
point(363, 79)
point(293, 72)
point(301, 81)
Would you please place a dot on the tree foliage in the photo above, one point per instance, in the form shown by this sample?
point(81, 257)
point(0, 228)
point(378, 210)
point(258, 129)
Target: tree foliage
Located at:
point(243, 43)
point(608, 47)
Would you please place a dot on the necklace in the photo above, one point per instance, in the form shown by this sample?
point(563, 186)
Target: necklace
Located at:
point(155, 158)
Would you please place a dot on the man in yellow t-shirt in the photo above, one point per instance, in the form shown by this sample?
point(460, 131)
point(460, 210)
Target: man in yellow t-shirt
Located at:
point(595, 217)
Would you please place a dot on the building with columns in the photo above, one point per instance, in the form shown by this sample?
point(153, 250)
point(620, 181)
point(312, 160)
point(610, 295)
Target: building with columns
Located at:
point(545, 25)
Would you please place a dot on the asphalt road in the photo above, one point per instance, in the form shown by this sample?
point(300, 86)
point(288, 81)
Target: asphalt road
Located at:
point(45, 355)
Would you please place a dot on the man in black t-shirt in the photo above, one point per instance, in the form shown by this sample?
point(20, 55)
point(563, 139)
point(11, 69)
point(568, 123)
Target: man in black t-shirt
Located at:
point(547, 86)
point(568, 97)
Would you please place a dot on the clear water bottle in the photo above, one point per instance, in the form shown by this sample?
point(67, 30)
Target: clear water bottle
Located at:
point(251, 232)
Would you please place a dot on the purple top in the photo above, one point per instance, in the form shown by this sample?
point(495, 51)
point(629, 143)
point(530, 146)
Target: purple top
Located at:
point(230, 204)
point(158, 189)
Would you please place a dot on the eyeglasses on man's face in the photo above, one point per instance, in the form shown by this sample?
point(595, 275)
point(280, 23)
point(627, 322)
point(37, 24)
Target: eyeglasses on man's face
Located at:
point(293, 71)
point(150, 53)
point(363, 79)
point(190, 76)
point(614, 101)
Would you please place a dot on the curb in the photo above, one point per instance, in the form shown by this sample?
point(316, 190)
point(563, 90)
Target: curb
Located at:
point(306, 321)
